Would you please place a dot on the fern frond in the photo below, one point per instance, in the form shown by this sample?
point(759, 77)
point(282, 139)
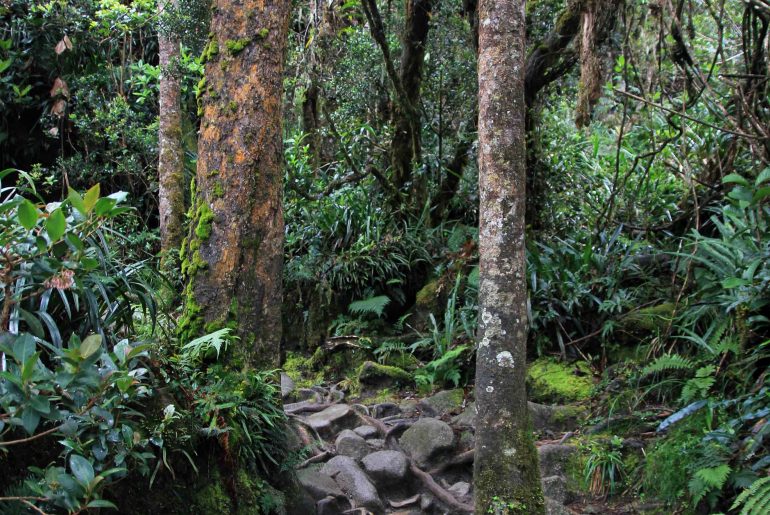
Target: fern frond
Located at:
point(668, 362)
point(755, 499)
point(372, 305)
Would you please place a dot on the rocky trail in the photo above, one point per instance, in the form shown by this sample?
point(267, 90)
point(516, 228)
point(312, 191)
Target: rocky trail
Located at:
point(414, 456)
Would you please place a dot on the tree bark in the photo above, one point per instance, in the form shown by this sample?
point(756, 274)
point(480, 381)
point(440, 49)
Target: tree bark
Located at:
point(234, 254)
point(170, 147)
point(506, 473)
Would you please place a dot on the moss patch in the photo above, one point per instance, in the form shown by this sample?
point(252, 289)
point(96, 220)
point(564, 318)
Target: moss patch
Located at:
point(651, 319)
point(300, 369)
point(235, 46)
point(552, 381)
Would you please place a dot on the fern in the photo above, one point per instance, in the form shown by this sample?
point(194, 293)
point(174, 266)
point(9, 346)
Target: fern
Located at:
point(755, 500)
point(372, 305)
point(708, 480)
point(197, 349)
point(668, 362)
point(699, 385)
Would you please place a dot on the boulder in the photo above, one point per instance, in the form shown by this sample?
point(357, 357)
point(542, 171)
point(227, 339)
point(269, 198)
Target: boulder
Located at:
point(427, 439)
point(318, 484)
point(385, 467)
point(460, 490)
point(555, 487)
point(354, 482)
point(446, 402)
point(376, 443)
point(557, 419)
point(373, 376)
point(287, 385)
point(385, 409)
point(467, 418)
point(332, 420)
point(351, 444)
point(366, 431)
point(554, 507)
point(409, 408)
point(554, 459)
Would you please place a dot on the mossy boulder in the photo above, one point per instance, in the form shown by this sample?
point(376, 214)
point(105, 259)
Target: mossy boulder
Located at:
point(373, 376)
point(553, 381)
point(447, 402)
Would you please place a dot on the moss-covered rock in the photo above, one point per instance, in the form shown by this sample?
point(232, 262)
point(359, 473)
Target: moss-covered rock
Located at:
point(373, 375)
point(552, 381)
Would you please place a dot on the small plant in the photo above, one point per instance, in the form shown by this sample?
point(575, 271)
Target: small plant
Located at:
point(604, 468)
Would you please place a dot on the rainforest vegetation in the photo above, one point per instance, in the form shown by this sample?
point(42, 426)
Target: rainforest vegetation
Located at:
point(403, 256)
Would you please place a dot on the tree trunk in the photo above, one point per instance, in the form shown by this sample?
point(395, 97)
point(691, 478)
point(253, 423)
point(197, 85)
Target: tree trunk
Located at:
point(170, 148)
point(234, 253)
point(506, 474)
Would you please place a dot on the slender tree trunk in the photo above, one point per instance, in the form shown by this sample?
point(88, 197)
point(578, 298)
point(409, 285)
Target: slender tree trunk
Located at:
point(234, 254)
point(506, 474)
point(170, 148)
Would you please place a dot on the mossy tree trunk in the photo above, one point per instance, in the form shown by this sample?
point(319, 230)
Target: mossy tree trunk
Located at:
point(170, 147)
point(234, 253)
point(506, 474)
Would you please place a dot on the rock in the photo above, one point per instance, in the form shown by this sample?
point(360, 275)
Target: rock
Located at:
point(354, 482)
point(318, 484)
point(360, 408)
point(426, 439)
point(376, 443)
point(467, 439)
point(554, 507)
point(461, 489)
point(351, 444)
point(554, 459)
point(426, 502)
point(409, 408)
point(443, 403)
point(385, 409)
point(366, 431)
point(385, 467)
point(373, 376)
point(287, 385)
point(332, 420)
point(467, 418)
point(305, 394)
point(555, 487)
point(555, 418)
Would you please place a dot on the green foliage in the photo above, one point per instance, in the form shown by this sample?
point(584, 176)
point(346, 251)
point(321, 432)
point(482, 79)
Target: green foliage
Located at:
point(754, 500)
point(373, 305)
point(443, 370)
point(56, 261)
point(604, 468)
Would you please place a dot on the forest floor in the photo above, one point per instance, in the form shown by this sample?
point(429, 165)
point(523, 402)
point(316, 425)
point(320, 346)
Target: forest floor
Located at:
point(379, 448)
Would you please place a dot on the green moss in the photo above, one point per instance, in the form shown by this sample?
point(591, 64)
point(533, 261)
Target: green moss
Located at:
point(511, 497)
point(372, 370)
point(235, 46)
point(205, 217)
point(651, 319)
point(232, 106)
point(263, 33)
point(218, 191)
point(211, 50)
point(427, 296)
point(300, 369)
point(550, 380)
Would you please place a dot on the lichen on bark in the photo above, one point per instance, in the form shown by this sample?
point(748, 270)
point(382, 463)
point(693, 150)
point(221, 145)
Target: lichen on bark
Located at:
point(506, 475)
